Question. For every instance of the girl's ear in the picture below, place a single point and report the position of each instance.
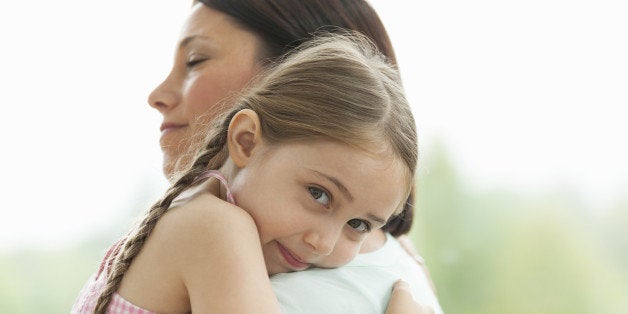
(243, 135)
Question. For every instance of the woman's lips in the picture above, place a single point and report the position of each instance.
(292, 259)
(168, 127)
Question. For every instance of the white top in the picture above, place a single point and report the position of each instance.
(362, 286)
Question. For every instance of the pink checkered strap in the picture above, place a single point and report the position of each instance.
(221, 177)
(88, 297)
(119, 305)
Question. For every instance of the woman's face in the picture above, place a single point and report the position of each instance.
(315, 203)
(214, 59)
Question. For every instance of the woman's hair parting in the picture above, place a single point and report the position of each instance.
(285, 24)
(335, 87)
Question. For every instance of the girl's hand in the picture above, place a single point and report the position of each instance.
(401, 301)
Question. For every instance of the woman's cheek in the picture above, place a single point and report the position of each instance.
(203, 97)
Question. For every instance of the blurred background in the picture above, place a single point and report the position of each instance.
(520, 105)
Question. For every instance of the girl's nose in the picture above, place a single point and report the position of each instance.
(323, 240)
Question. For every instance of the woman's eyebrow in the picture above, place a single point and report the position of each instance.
(187, 40)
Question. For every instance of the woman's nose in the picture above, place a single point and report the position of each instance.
(323, 240)
(165, 96)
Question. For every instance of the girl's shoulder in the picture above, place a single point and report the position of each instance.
(217, 253)
(208, 208)
(187, 254)
(206, 220)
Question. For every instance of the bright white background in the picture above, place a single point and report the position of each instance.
(527, 95)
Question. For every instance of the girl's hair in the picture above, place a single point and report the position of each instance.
(335, 87)
(283, 25)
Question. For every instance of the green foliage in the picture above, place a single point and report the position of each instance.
(45, 281)
(501, 252)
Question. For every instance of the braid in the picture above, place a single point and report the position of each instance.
(210, 157)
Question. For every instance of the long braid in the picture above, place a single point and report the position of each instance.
(209, 157)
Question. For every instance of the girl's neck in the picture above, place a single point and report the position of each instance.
(210, 185)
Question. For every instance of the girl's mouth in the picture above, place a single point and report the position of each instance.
(292, 259)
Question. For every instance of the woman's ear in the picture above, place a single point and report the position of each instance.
(243, 135)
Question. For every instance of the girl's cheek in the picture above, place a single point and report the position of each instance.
(341, 255)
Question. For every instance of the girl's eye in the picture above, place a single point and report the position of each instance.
(359, 225)
(319, 195)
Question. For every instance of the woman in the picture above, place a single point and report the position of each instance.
(223, 45)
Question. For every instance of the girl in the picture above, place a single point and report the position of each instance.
(223, 44)
(318, 153)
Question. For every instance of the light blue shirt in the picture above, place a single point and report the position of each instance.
(362, 286)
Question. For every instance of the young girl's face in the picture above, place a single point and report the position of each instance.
(311, 199)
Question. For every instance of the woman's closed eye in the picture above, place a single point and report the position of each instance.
(320, 195)
(194, 60)
(359, 225)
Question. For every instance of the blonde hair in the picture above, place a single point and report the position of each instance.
(334, 87)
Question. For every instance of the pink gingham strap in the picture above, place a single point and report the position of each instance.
(119, 305)
(221, 177)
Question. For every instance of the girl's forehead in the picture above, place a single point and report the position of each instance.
(359, 183)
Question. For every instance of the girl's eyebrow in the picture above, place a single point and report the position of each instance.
(337, 183)
(347, 194)
(376, 219)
